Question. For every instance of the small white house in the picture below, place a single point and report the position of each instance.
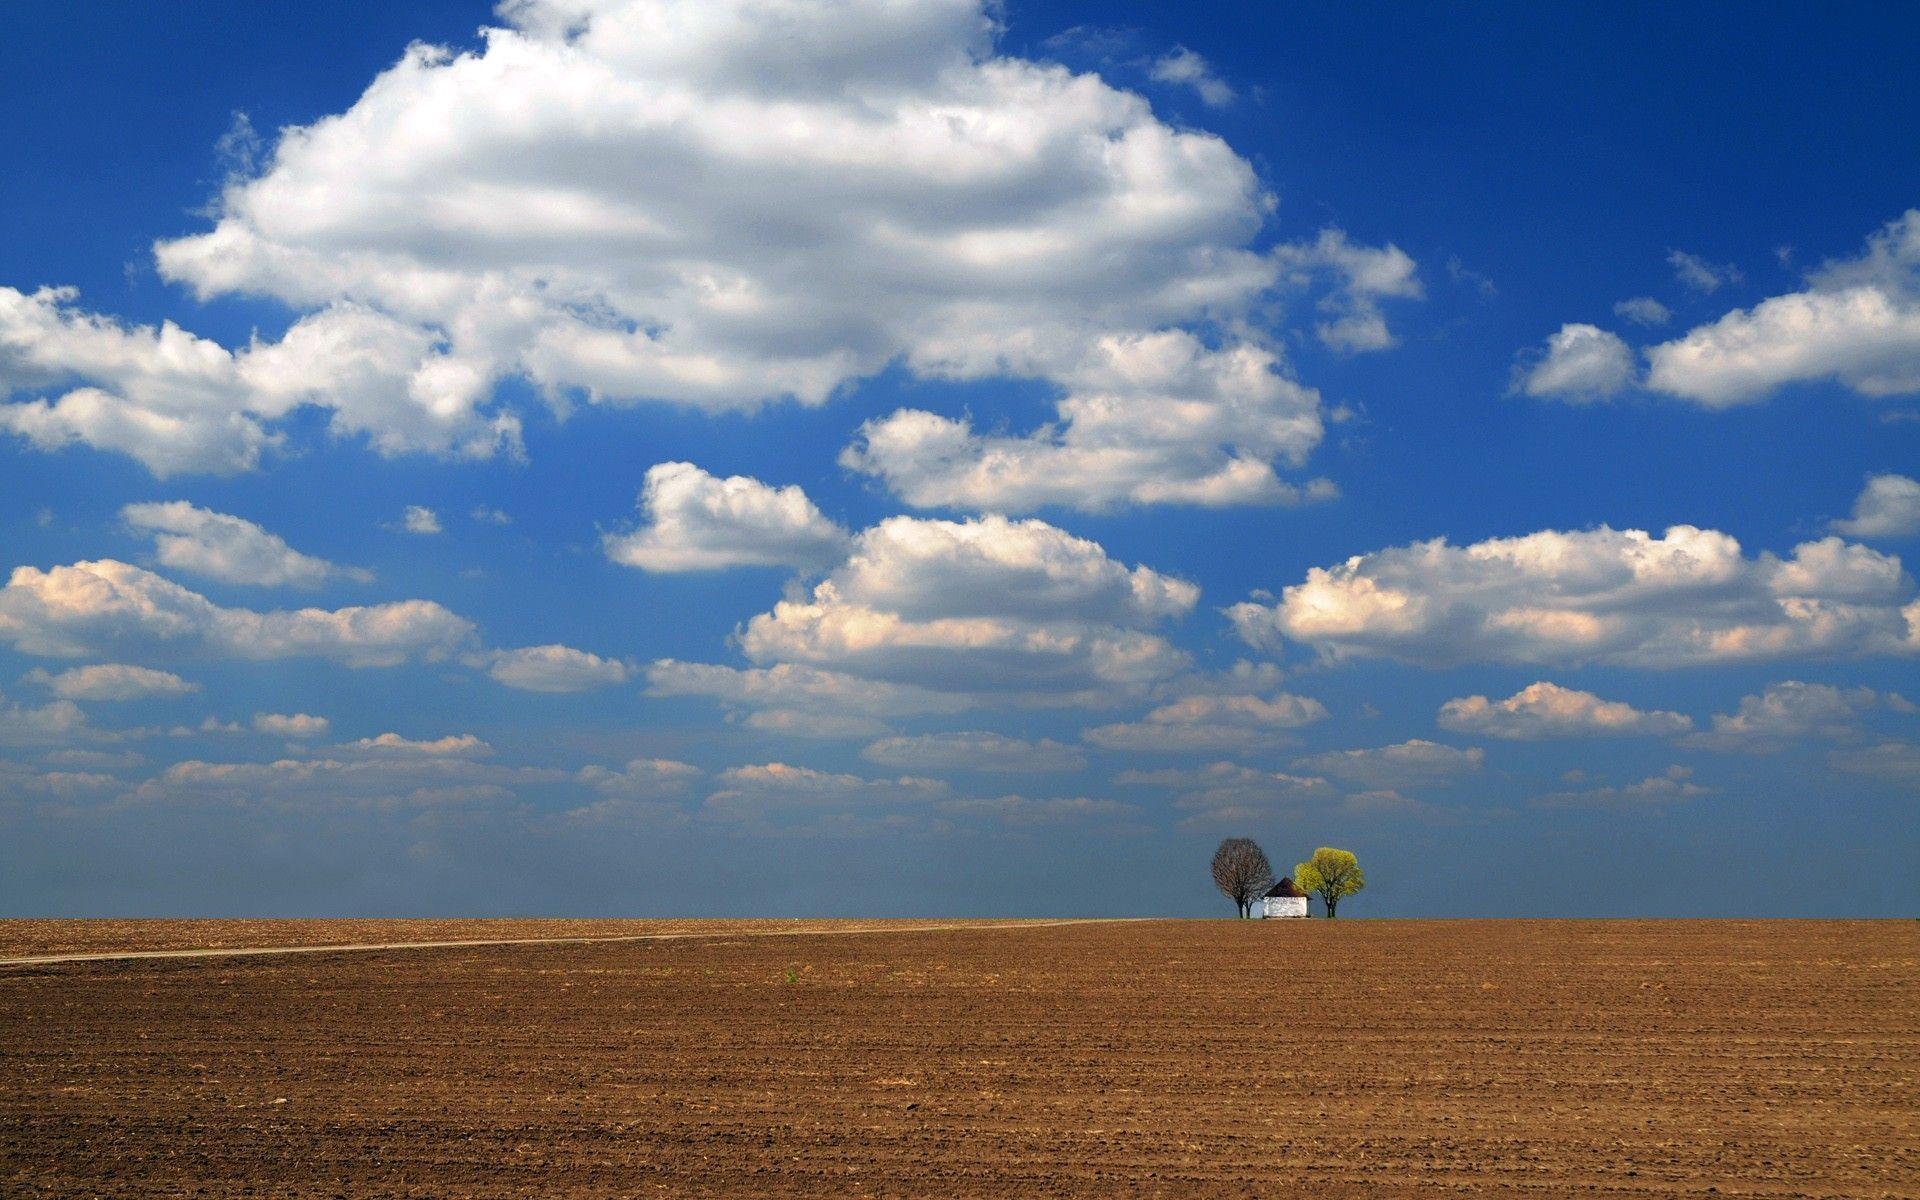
(1284, 899)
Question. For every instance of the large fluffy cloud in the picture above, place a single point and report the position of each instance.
(986, 605)
(697, 522)
(1544, 710)
(228, 548)
(1147, 418)
(181, 403)
(106, 607)
(1601, 595)
(726, 203)
(1857, 322)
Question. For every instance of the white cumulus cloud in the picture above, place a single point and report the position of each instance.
(1887, 507)
(1699, 274)
(112, 681)
(795, 699)
(641, 779)
(1363, 276)
(101, 608)
(1602, 595)
(1212, 724)
(228, 548)
(1412, 763)
(1643, 310)
(1191, 69)
(1792, 710)
(1546, 710)
(1581, 363)
(291, 725)
(717, 204)
(987, 605)
(453, 745)
(698, 522)
(55, 723)
(551, 668)
(1651, 794)
(1155, 418)
(1857, 322)
(180, 403)
(420, 519)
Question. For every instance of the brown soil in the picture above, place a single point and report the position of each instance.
(23, 938)
(1240, 1059)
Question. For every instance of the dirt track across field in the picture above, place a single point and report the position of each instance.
(759, 929)
(1242, 1059)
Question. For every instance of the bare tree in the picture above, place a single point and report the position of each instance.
(1241, 870)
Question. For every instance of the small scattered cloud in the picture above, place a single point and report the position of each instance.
(1643, 310)
(56, 723)
(1891, 761)
(420, 519)
(1410, 764)
(551, 668)
(228, 548)
(1020, 811)
(1466, 277)
(300, 726)
(462, 745)
(1187, 68)
(973, 751)
(112, 681)
(1212, 724)
(1581, 364)
(642, 779)
(1702, 276)
(699, 522)
(1652, 794)
(1362, 277)
(1547, 710)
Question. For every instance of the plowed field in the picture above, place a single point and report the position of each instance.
(1217, 1058)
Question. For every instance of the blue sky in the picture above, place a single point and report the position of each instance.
(942, 460)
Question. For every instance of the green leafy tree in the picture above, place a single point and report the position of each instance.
(1241, 871)
(1331, 875)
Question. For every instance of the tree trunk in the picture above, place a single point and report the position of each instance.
(1333, 906)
